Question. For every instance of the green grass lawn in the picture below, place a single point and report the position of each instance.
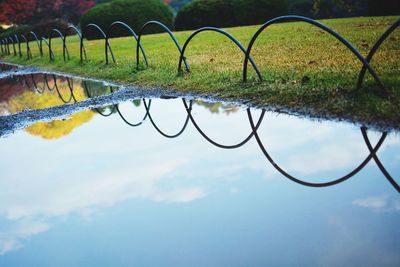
(303, 67)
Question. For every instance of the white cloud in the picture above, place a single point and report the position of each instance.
(372, 202)
(13, 238)
(383, 203)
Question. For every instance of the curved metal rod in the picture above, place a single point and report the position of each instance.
(19, 45)
(82, 50)
(127, 27)
(51, 53)
(36, 87)
(129, 123)
(47, 81)
(107, 46)
(59, 93)
(189, 111)
(322, 27)
(63, 43)
(309, 184)
(374, 49)
(147, 107)
(233, 39)
(7, 47)
(167, 30)
(26, 82)
(377, 161)
(1, 47)
(39, 44)
(70, 83)
(28, 49)
(20, 81)
(13, 44)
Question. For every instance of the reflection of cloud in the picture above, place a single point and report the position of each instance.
(9, 245)
(104, 190)
(49, 198)
(234, 190)
(372, 202)
(383, 203)
(306, 148)
(89, 170)
(11, 240)
(181, 195)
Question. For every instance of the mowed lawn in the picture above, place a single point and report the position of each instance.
(303, 67)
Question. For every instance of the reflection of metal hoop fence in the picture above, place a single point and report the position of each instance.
(254, 131)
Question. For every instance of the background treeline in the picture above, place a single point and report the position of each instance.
(41, 15)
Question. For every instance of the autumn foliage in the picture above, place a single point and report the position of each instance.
(36, 11)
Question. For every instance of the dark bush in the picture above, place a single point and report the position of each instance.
(228, 13)
(200, 13)
(44, 29)
(41, 29)
(383, 7)
(18, 30)
(302, 8)
(252, 12)
(135, 13)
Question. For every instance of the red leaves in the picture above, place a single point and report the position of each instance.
(35, 11)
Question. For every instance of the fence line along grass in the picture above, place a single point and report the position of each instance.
(303, 67)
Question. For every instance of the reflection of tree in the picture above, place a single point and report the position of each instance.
(94, 88)
(29, 99)
(59, 128)
(137, 102)
(54, 129)
(218, 107)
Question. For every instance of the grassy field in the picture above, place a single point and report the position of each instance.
(303, 67)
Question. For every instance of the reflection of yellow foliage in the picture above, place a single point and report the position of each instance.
(31, 100)
(54, 129)
(59, 128)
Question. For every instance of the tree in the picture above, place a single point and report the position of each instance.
(71, 10)
(16, 11)
(36, 11)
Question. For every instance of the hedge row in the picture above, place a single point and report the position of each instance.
(135, 13)
(42, 29)
(198, 13)
(228, 13)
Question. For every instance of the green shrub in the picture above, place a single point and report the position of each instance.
(41, 29)
(200, 13)
(302, 8)
(228, 13)
(135, 13)
(18, 30)
(383, 7)
(251, 12)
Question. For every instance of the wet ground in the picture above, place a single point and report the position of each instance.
(94, 174)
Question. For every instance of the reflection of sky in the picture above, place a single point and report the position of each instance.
(112, 195)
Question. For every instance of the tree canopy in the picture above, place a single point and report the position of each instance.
(36, 11)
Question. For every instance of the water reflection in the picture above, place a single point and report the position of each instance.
(117, 195)
(46, 84)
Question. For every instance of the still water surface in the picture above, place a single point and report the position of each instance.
(155, 182)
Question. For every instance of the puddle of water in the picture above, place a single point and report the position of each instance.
(135, 180)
